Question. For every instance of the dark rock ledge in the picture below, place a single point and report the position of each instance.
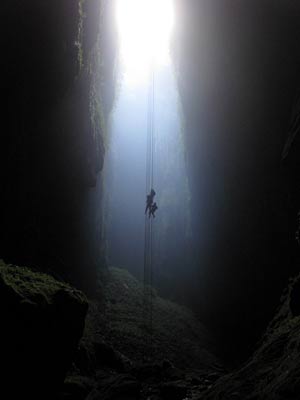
(42, 321)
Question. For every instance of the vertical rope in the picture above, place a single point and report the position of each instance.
(151, 292)
(152, 126)
(148, 236)
(151, 221)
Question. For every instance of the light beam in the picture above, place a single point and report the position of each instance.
(145, 28)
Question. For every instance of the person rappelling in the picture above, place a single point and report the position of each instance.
(152, 210)
(149, 201)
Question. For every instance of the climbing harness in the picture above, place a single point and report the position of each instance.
(148, 240)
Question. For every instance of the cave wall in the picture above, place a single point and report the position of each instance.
(238, 70)
(57, 73)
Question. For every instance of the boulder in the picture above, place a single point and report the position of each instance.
(77, 387)
(42, 321)
(94, 354)
(116, 387)
(106, 355)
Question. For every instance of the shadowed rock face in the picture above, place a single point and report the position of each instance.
(42, 321)
(238, 72)
(57, 87)
(273, 371)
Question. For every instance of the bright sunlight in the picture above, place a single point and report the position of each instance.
(145, 28)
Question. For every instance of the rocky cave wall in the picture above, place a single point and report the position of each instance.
(238, 71)
(57, 78)
(237, 66)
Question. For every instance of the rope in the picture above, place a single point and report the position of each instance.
(152, 129)
(148, 234)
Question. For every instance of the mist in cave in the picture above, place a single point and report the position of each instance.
(147, 89)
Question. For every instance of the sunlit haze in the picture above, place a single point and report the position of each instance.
(142, 104)
(145, 28)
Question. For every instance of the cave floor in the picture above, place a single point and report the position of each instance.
(119, 358)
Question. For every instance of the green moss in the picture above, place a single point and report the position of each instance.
(31, 285)
(79, 41)
(91, 59)
(97, 113)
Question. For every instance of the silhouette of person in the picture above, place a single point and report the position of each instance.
(152, 210)
(149, 201)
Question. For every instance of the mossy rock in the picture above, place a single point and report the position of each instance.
(42, 322)
(34, 287)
